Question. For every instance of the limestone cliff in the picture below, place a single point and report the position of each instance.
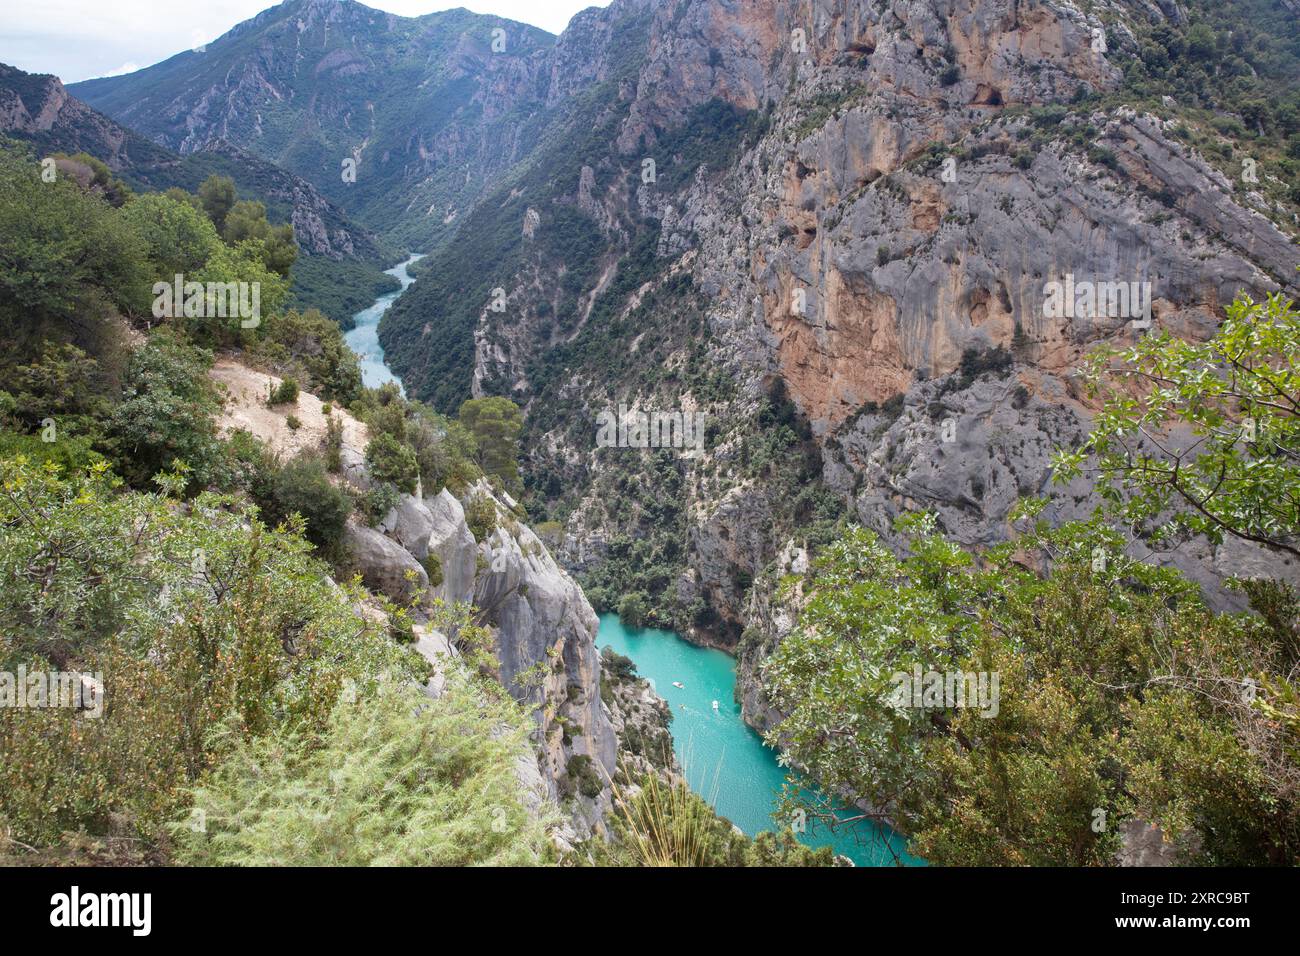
(832, 227)
(542, 627)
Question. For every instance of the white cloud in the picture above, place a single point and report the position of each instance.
(78, 39)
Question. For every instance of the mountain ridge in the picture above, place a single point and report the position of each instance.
(346, 62)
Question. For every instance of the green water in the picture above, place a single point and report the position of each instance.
(725, 761)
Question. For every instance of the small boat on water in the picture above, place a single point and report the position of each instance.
(679, 685)
(715, 705)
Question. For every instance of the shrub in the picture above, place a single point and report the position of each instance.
(665, 824)
(392, 462)
(248, 627)
(399, 780)
(377, 501)
(333, 443)
(583, 777)
(286, 393)
(433, 567)
(445, 451)
(481, 516)
(166, 414)
(632, 609)
(303, 487)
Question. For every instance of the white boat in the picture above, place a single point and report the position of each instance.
(715, 705)
(679, 685)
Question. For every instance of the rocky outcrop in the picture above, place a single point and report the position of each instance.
(453, 543)
(385, 566)
(542, 628)
(641, 720)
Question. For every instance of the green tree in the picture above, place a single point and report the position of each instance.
(217, 194)
(1202, 437)
(392, 462)
(313, 346)
(239, 264)
(179, 238)
(246, 220)
(632, 609)
(1120, 695)
(166, 414)
(63, 253)
(94, 176)
(665, 824)
(495, 424)
(445, 451)
(303, 487)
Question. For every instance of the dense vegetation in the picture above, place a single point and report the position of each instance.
(261, 712)
(1122, 696)
(184, 566)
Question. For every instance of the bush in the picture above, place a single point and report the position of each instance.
(303, 487)
(248, 628)
(665, 824)
(632, 609)
(481, 516)
(166, 414)
(286, 393)
(445, 451)
(310, 348)
(583, 777)
(392, 462)
(399, 780)
(433, 567)
(377, 501)
(333, 443)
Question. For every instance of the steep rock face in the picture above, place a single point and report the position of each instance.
(915, 180)
(451, 540)
(832, 227)
(38, 108)
(542, 626)
(385, 566)
(897, 283)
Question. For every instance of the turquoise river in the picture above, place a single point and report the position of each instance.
(725, 761)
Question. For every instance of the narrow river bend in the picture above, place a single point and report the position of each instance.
(364, 337)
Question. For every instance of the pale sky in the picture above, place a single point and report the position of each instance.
(78, 39)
